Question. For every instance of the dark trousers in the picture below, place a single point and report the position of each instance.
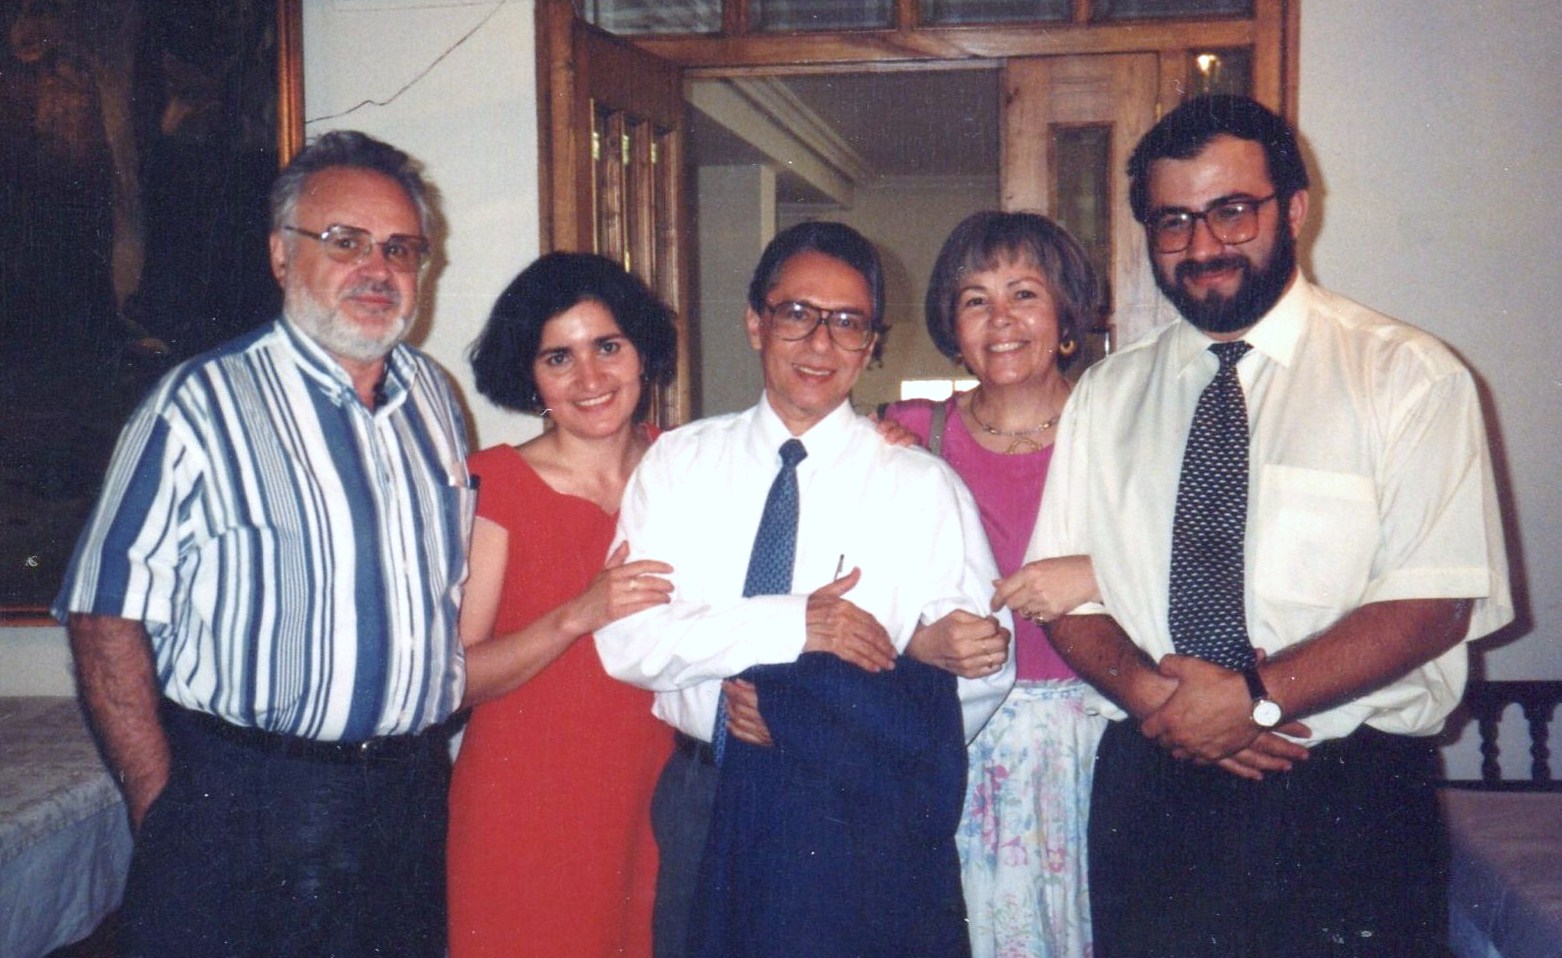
(263, 846)
(1345, 855)
(680, 819)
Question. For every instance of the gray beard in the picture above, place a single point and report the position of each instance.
(336, 335)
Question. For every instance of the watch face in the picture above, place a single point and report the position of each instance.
(1266, 713)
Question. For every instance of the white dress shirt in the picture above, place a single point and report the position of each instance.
(898, 513)
(1371, 480)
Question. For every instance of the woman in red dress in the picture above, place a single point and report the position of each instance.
(550, 848)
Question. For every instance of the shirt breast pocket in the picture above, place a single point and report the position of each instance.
(1317, 534)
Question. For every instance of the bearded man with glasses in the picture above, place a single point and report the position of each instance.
(810, 805)
(262, 608)
(1290, 506)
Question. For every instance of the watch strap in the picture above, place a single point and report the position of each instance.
(1255, 683)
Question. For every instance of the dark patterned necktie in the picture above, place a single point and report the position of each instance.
(775, 550)
(1207, 611)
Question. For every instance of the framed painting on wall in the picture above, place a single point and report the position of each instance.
(137, 143)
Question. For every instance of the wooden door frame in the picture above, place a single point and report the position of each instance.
(1271, 34)
(579, 70)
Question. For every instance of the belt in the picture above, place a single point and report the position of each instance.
(695, 749)
(387, 748)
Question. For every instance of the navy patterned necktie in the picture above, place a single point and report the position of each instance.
(1207, 610)
(775, 550)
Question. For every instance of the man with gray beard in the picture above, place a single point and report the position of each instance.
(262, 608)
(1289, 503)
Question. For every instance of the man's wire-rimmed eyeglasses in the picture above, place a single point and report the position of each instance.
(352, 245)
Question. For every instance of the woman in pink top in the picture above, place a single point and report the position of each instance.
(1007, 298)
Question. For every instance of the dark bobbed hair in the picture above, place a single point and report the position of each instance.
(1184, 132)
(504, 352)
(985, 240)
(353, 149)
(832, 239)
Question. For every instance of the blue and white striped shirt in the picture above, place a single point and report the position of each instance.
(297, 558)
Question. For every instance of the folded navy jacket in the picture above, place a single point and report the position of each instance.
(838, 840)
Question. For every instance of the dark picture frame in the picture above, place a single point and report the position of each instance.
(137, 142)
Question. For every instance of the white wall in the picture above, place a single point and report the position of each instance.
(35, 661)
(1434, 129)
(1432, 123)
(735, 219)
(458, 84)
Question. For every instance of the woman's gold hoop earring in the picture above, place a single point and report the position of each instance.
(1068, 347)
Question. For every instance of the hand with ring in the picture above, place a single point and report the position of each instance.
(620, 589)
(968, 645)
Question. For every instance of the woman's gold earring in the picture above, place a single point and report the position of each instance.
(1068, 347)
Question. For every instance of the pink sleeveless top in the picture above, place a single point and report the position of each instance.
(1007, 490)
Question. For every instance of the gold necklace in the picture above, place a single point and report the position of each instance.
(1011, 433)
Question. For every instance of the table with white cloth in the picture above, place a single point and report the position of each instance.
(64, 836)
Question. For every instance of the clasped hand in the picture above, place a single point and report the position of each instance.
(1207, 718)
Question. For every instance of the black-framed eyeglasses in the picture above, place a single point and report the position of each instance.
(1232, 222)
(794, 319)
(352, 245)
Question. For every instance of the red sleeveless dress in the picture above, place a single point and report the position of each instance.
(551, 851)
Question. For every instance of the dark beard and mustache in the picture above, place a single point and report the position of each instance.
(1260, 289)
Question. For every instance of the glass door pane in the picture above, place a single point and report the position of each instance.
(946, 12)
(1220, 71)
(1082, 204)
(777, 15)
(1164, 9)
(640, 17)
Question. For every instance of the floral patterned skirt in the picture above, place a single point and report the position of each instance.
(1022, 835)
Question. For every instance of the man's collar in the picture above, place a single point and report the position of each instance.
(822, 440)
(1275, 335)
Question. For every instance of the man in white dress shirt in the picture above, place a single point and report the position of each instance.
(1282, 803)
(888, 540)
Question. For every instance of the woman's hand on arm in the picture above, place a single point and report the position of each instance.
(892, 432)
(1047, 588)
(621, 589)
(968, 645)
(499, 664)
